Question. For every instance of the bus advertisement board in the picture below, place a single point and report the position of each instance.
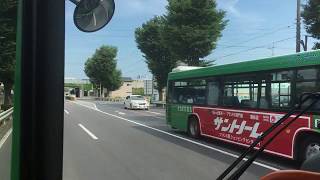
(243, 127)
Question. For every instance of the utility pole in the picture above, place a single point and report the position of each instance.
(146, 87)
(298, 35)
(305, 43)
(272, 48)
(152, 87)
(100, 92)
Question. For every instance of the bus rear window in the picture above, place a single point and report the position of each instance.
(189, 92)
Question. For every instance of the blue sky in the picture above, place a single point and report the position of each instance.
(253, 30)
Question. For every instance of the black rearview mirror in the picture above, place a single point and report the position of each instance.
(92, 15)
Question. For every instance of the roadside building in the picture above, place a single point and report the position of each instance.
(129, 87)
(78, 87)
(124, 90)
(150, 90)
(138, 84)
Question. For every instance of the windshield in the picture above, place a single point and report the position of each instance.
(166, 89)
(137, 98)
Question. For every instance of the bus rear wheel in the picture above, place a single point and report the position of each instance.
(193, 127)
(310, 147)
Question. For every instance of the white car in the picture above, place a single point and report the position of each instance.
(136, 102)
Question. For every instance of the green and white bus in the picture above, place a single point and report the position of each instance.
(235, 103)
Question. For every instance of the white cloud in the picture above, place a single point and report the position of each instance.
(229, 5)
(240, 20)
(232, 10)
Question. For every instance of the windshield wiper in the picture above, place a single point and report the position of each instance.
(236, 175)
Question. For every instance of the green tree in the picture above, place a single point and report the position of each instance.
(157, 55)
(101, 68)
(8, 27)
(192, 29)
(311, 19)
(138, 91)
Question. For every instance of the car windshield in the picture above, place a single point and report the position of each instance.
(137, 98)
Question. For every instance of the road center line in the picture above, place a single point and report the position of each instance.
(88, 132)
(142, 113)
(154, 113)
(121, 113)
(182, 138)
(67, 112)
(5, 137)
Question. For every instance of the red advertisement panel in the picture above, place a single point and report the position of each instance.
(243, 127)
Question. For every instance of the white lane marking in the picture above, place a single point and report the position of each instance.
(88, 132)
(84, 103)
(67, 112)
(185, 139)
(141, 112)
(154, 112)
(5, 137)
(95, 106)
(151, 116)
(158, 117)
(121, 113)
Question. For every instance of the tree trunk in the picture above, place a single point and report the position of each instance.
(102, 92)
(7, 96)
(160, 94)
(107, 93)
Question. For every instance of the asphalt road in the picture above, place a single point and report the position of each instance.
(5, 156)
(104, 141)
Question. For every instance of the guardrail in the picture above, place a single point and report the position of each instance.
(109, 99)
(5, 115)
(159, 103)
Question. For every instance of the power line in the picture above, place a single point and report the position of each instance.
(253, 48)
(260, 36)
(126, 36)
(131, 69)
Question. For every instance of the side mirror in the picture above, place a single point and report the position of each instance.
(93, 15)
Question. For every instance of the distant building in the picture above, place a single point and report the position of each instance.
(149, 89)
(129, 84)
(124, 90)
(138, 84)
(71, 80)
(78, 87)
